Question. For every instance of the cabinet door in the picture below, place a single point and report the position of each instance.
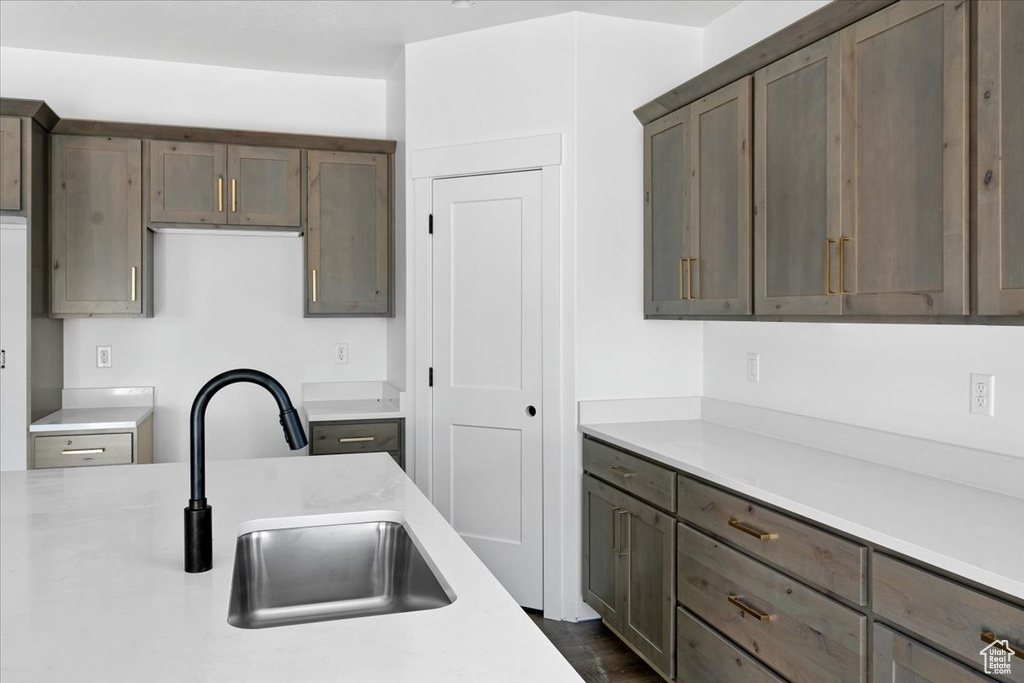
(719, 250)
(603, 529)
(649, 589)
(96, 226)
(667, 184)
(1000, 180)
(348, 242)
(10, 163)
(187, 182)
(904, 125)
(264, 186)
(899, 659)
(797, 182)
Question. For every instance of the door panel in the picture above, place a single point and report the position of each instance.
(601, 538)
(899, 659)
(905, 227)
(487, 371)
(797, 182)
(187, 182)
(1000, 181)
(10, 163)
(14, 316)
(265, 186)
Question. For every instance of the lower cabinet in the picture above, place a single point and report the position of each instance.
(703, 655)
(899, 658)
(629, 570)
(359, 436)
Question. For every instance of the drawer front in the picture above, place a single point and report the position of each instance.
(945, 612)
(804, 635)
(899, 659)
(82, 450)
(354, 437)
(831, 563)
(703, 656)
(647, 481)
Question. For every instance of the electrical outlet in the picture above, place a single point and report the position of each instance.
(104, 357)
(341, 354)
(753, 367)
(983, 394)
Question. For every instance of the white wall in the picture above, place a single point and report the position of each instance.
(397, 347)
(221, 301)
(749, 22)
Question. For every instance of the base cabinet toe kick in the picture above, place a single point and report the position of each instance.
(708, 585)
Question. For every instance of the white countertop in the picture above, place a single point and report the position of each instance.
(965, 530)
(81, 419)
(350, 409)
(93, 587)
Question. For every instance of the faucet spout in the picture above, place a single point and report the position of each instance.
(198, 514)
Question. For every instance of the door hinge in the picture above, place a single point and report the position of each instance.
(430, 377)
(430, 224)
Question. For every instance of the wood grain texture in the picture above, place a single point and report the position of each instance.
(187, 182)
(904, 205)
(946, 613)
(349, 237)
(267, 185)
(833, 564)
(809, 639)
(223, 136)
(799, 34)
(96, 226)
(703, 656)
(899, 659)
(649, 482)
(324, 437)
(36, 110)
(1000, 167)
(720, 206)
(601, 569)
(10, 164)
(797, 182)
(49, 451)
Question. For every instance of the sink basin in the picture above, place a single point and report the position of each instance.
(321, 573)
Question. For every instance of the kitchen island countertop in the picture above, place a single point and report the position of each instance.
(93, 587)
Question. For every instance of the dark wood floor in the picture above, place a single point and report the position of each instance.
(595, 652)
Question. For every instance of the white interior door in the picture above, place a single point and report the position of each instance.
(14, 344)
(487, 464)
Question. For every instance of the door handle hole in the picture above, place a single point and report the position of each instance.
(531, 411)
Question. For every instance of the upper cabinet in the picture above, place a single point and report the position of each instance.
(697, 207)
(96, 245)
(216, 184)
(349, 249)
(10, 163)
(904, 240)
(1000, 169)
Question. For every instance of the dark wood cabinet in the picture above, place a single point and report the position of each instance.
(225, 185)
(601, 530)
(1000, 170)
(899, 659)
(797, 182)
(904, 240)
(10, 163)
(349, 250)
(338, 437)
(97, 235)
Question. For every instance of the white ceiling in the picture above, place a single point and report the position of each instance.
(356, 38)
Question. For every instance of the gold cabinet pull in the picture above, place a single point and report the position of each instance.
(354, 439)
(760, 535)
(681, 294)
(234, 197)
(828, 265)
(134, 285)
(83, 451)
(314, 285)
(623, 472)
(760, 616)
(842, 264)
(615, 527)
(689, 279)
(220, 193)
(990, 638)
(623, 539)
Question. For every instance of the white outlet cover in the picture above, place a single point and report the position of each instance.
(341, 354)
(753, 367)
(983, 394)
(104, 357)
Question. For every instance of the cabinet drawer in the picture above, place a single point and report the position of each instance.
(805, 636)
(78, 450)
(702, 655)
(899, 658)
(828, 561)
(945, 612)
(354, 437)
(646, 480)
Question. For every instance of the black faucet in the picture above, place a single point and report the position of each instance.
(199, 515)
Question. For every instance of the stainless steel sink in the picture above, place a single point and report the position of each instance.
(320, 573)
